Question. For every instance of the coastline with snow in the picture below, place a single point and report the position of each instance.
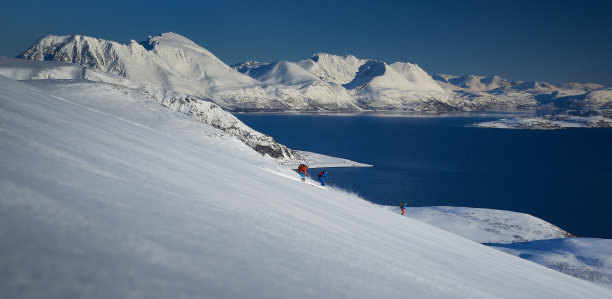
(601, 119)
(524, 236)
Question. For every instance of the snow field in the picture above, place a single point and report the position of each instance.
(107, 197)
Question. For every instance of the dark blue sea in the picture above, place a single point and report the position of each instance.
(561, 176)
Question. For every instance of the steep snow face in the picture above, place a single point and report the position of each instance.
(419, 79)
(332, 68)
(283, 73)
(399, 76)
(100, 196)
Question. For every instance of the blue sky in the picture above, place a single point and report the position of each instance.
(552, 41)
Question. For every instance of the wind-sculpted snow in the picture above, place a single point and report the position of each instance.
(113, 198)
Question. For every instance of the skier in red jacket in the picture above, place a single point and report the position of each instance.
(302, 171)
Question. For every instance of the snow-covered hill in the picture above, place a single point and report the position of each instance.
(524, 236)
(106, 195)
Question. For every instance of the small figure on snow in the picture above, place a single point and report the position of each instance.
(403, 206)
(323, 177)
(302, 171)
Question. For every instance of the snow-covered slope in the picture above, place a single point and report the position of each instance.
(524, 236)
(110, 197)
(199, 109)
(283, 73)
(332, 68)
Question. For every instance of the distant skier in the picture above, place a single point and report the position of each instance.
(302, 171)
(403, 206)
(323, 177)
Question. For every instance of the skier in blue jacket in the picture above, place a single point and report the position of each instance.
(323, 177)
(403, 206)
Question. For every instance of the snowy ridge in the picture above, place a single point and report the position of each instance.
(332, 68)
(133, 210)
(199, 109)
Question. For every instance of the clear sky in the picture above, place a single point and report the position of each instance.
(551, 41)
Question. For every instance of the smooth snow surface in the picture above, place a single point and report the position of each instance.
(116, 198)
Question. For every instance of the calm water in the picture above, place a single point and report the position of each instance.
(561, 176)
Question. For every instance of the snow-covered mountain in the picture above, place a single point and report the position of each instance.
(500, 92)
(481, 83)
(332, 68)
(474, 83)
(173, 62)
(106, 195)
(169, 61)
(371, 84)
(323, 82)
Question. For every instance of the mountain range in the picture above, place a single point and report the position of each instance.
(324, 82)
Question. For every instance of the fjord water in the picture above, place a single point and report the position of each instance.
(561, 176)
